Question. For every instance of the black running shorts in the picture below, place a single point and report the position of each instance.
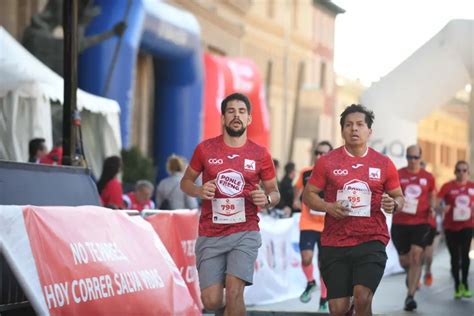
(431, 236)
(308, 238)
(343, 268)
(403, 236)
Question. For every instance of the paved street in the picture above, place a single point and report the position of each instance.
(435, 300)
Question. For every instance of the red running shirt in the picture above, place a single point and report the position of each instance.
(416, 188)
(372, 173)
(460, 196)
(237, 171)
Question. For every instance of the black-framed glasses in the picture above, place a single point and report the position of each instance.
(461, 170)
(409, 157)
(319, 153)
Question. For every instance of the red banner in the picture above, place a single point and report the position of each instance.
(179, 230)
(95, 261)
(224, 76)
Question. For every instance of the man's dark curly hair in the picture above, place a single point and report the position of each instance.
(357, 108)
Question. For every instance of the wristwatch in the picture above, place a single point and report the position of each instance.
(269, 199)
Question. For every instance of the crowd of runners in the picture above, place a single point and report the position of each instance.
(344, 200)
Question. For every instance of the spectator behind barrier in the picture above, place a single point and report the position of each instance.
(286, 190)
(140, 198)
(36, 150)
(168, 194)
(55, 156)
(109, 187)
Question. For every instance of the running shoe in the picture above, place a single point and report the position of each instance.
(310, 288)
(323, 305)
(466, 293)
(458, 293)
(410, 303)
(428, 279)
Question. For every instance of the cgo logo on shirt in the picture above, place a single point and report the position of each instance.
(340, 172)
(214, 161)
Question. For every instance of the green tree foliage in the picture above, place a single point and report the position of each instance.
(136, 166)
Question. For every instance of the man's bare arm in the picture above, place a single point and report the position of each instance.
(188, 186)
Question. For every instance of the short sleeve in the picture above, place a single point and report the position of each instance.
(392, 180)
(196, 162)
(267, 171)
(318, 176)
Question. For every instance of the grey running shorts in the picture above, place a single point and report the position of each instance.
(233, 254)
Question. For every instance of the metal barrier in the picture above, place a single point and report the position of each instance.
(12, 299)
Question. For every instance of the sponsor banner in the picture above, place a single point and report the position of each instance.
(180, 243)
(278, 275)
(95, 261)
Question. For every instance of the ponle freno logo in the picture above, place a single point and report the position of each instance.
(462, 201)
(230, 182)
(413, 191)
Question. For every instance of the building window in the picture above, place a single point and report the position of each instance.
(429, 151)
(322, 75)
(445, 156)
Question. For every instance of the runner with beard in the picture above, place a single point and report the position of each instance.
(359, 184)
(233, 168)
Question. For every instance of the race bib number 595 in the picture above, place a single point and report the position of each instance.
(359, 201)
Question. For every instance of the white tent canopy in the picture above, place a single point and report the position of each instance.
(27, 87)
(426, 80)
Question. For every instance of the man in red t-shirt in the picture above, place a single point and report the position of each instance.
(410, 227)
(232, 168)
(458, 223)
(140, 198)
(358, 183)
